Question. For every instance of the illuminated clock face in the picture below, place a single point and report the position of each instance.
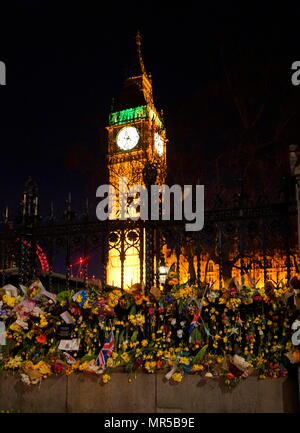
(159, 144)
(128, 138)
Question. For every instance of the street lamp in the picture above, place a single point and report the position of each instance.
(163, 271)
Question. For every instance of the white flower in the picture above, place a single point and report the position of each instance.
(173, 321)
(93, 368)
(296, 325)
(25, 379)
(22, 323)
(179, 333)
(208, 374)
(182, 323)
(212, 296)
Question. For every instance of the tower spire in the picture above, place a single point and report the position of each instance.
(138, 40)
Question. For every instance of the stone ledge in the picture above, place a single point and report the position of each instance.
(148, 393)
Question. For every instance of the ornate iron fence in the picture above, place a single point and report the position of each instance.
(241, 238)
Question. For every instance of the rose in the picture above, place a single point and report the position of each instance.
(57, 368)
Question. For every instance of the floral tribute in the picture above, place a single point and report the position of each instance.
(227, 333)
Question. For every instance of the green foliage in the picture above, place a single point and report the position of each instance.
(200, 354)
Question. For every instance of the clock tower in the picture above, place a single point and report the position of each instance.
(136, 140)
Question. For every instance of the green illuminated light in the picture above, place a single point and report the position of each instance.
(128, 115)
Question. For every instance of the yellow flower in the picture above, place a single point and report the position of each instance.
(112, 300)
(110, 362)
(14, 362)
(184, 360)
(136, 319)
(144, 343)
(43, 368)
(29, 334)
(197, 367)
(15, 327)
(106, 378)
(87, 304)
(9, 300)
(83, 366)
(150, 366)
(177, 377)
(125, 357)
(43, 322)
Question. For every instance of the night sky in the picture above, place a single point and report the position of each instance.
(67, 60)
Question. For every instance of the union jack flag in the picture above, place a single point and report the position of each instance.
(106, 351)
(194, 323)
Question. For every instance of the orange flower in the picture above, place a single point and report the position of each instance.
(159, 363)
(41, 339)
(230, 376)
(138, 298)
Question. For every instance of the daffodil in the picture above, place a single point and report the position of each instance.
(177, 377)
(106, 378)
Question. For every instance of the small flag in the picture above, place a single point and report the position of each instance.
(106, 351)
(194, 322)
(69, 358)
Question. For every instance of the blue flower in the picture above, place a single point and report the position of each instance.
(169, 299)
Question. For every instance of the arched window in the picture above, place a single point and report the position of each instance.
(210, 267)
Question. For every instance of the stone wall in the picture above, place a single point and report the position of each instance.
(147, 393)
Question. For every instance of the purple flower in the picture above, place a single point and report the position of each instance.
(137, 363)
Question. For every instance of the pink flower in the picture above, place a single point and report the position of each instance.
(25, 308)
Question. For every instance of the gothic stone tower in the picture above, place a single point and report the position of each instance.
(136, 139)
